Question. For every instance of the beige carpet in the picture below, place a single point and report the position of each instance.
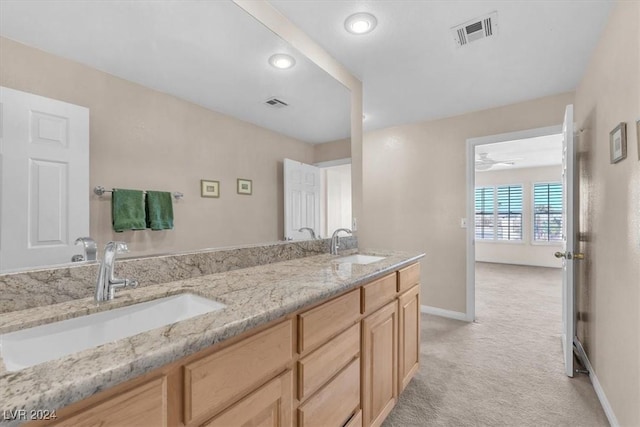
(504, 370)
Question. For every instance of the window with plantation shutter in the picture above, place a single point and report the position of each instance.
(484, 220)
(498, 213)
(547, 212)
(509, 220)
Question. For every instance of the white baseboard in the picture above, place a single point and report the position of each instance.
(443, 313)
(608, 410)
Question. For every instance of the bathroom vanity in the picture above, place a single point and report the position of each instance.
(309, 342)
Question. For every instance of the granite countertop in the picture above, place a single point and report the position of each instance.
(253, 296)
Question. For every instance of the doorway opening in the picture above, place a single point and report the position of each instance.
(503, 173)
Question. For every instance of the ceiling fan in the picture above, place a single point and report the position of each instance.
(484, 162)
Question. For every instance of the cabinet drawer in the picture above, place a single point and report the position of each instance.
(318, 367)
(215, 381)
(142, 405)
(378, 293)
(270, 405)
(333, 405)
(408, 277)
(319, 324)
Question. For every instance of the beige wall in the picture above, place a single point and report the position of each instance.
(145, 139)
(334, 150)
(524, 252)
(608, 292)
(415, 189)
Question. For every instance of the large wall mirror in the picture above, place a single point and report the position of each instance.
(176, 92)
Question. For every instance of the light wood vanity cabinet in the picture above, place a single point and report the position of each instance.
(408, 324)
(408, 336)
(213, 382)
(145, 404)
(269, 406)
(379, 364)
(340, 363)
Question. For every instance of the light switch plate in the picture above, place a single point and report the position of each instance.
(463, 222)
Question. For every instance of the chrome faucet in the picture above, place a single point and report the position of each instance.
(90, 249)
(310, 230)
(106, 284)
(335, 240)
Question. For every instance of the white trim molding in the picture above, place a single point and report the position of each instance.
(606, 406)
(427, 309)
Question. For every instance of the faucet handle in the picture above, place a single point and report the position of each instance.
(118, 247)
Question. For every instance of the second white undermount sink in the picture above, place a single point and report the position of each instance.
(359, 259)
(29, 347)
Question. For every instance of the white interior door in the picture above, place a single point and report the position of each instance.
(568, 241)
(44, 203)
(338, 198)
(301, 199)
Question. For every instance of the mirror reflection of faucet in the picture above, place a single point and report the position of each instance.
(90, 250)
(335, 240)
(106, 283)
(310, 230)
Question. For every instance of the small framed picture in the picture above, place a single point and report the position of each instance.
(209, 188)
(618, 143)
(245, 186)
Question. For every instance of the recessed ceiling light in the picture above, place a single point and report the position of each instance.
(360, 23)
(282, 61)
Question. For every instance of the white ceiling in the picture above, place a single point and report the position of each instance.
(524, 153)
(211, 53)
(412, 70)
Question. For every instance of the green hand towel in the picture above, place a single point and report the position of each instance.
(127, 210)
(159, 210)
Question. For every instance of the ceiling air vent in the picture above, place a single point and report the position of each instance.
(275, 103)
(476, 29)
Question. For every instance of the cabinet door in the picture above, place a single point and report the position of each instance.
(409, 336)
(269, 406)
(379, 364)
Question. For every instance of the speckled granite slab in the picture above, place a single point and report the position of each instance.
(23, 290)
(253, 297)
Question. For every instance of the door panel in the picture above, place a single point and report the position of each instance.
(44, 202)
(301, 199)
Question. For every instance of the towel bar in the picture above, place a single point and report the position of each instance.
(100, 190)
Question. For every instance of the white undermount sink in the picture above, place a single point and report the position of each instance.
(359, 259)
(29, 347)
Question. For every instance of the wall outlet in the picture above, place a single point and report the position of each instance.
(463, 222)
(354, 224)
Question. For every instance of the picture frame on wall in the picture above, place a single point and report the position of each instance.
(618, 143)
(245, 186)
(209, 188)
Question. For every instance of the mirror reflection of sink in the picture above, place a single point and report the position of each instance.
(359, 259)
(29, 347)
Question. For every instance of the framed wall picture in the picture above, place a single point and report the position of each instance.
(209, 188)
(618, 143)
(245, 186)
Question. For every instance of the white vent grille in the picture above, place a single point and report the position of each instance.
(476, 29)
(274, 102)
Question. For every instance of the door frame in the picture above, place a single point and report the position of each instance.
(472, 143)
